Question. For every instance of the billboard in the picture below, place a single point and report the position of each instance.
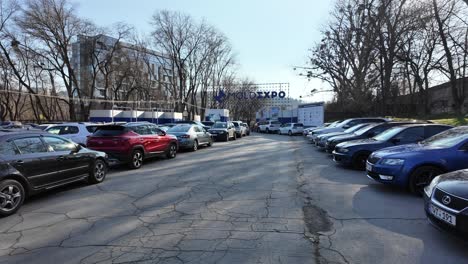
(311, 114)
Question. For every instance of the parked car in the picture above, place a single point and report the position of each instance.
(446, 202)
(223, 131)
(133, 142)
(11, 124)
(269, 126)
(240, 130)
(348, 123)
(247, 128)
(291, 129)
(308, 131)
(321, 140)
(34, 161)
(77, 132)
(198, 123)
(191, 136)
(208, 124)
(363, 133)
(355, 153)
(415, 165)
(164, 128)
(168, 125)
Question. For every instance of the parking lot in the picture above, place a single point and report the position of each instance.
(259, 199)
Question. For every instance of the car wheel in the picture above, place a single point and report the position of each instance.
(12, 196)
(195, 145)
(421, 177)
(289, 133)
(359, 162)
(171, 151)
(137, 159)
(98, 173)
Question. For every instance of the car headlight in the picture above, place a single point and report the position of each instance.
(428, 189)
(393, 162)
(342, 150)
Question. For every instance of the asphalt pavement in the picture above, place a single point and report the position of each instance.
(259, 199)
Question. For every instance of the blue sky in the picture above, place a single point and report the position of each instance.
(268, 37)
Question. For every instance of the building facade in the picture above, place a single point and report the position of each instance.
(113, 71)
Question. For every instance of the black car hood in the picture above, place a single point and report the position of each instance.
(218, 129)
(455, 183)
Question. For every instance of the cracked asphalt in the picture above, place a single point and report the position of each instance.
(260, 199)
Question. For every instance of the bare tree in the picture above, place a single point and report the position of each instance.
(54, 25)
(454, 40)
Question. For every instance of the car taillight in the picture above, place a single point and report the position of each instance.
(185, 136)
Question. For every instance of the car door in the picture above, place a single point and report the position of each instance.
(157, 141)
(34, 161)
(72, 162)
(205, 135)
(146, 138)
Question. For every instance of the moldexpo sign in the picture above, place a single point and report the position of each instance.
(222, 96)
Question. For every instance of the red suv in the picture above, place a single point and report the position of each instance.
(133, 142)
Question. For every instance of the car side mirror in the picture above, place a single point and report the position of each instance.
(162, 133)
(346, 126)
(77, 149)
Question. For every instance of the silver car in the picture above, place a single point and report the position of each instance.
(240, 130)
(191, 136)
(247, 129)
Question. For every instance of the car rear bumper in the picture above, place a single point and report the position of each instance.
(220, 136)
(185, 143)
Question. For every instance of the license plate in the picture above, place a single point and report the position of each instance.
(443, 215)
(369, 167)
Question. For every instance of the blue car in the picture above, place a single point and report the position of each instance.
(355, 153)
(415, 165)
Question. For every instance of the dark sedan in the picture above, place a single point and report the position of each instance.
(34, 161)
(321, 140)
(356, 152)
(223, 131)
(363, 133)
(191, 136)
(446, 202)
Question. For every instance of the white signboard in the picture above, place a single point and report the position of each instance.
(311, 114)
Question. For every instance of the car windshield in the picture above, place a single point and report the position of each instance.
(354, 128)
(364, 129)
(236, 124)
(220, 125)
(179, 129)
(388, 134)
(447, 139)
